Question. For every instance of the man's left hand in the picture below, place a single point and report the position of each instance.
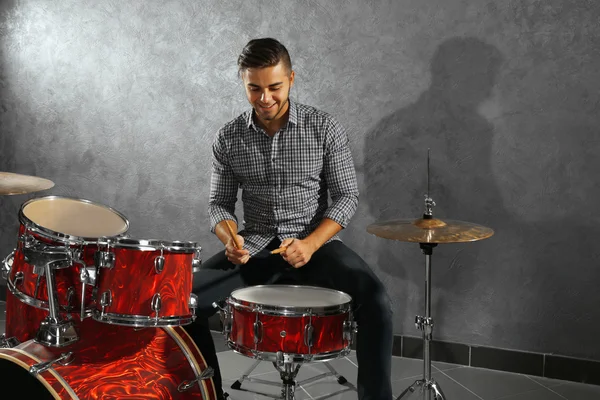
(298, 252)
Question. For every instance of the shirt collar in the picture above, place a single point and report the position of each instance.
(292, 117)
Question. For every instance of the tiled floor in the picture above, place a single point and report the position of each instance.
(457, 382)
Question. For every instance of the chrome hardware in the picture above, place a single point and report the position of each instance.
(84, 277)
(37, 285)
(18, 278)
(193, 303)
(105, 300)
(54, 330)
(156, 304)
(8, 342)
(225, 314)
(27, 240)
(424, 324)
(308, 334)
(104, 259)
(283, 333)
(70, 295)
(208, 373)
(7, 265)
(258, 330)
(429, 204)
(64, 359)
(349, 329)
(159, 263)
(38, 270)
(196, 261)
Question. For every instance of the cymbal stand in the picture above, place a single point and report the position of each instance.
(425, 324)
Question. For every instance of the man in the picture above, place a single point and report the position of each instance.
(287, 157)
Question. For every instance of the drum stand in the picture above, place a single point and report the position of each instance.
(54, 331)
(425, 324)
(288, 372)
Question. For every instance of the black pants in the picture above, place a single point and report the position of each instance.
(333, 266)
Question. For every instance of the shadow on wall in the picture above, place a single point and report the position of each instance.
(444, 119)
(518, 289)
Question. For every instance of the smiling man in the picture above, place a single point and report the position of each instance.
(288, 158)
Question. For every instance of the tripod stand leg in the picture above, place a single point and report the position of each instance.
(238, 384)
(411, 388)
(439, 394)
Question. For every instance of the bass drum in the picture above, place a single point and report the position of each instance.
(110, 362)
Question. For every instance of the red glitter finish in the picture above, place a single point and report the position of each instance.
(328, 334)
(133, 281)
(115, 362)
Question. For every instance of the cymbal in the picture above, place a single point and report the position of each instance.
(11, 183)
(430, 231)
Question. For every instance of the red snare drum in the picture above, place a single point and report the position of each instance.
(61, 224)
(146, 283)
(111, 362)
(304, 323)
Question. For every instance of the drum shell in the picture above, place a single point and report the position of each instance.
(261, 330)
(113, 362)
(287, 333)
(134, 280)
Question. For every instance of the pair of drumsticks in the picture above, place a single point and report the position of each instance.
(239, 246)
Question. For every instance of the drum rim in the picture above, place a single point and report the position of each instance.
(299, 358)
(29, 224)
(153, 244)
(280, 310)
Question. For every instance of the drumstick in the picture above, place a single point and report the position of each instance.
(233, 236)
(282, 248)
(279, 250)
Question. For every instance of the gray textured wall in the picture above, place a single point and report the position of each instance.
(118, 102)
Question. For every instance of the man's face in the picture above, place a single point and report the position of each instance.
(268, 90)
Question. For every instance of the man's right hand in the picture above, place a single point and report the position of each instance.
(236, 256)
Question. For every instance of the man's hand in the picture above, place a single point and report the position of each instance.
(298, 252)
(236, 256)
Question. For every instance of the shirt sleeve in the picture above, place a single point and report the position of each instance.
(223, 185)
(340, 175)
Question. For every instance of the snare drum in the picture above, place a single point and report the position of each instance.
(110, 362)
(146, 283)
(59, 224)
(301, 323)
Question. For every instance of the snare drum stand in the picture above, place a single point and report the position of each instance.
(425, 324)
(288, 372)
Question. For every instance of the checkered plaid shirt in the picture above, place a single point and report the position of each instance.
(284, 179)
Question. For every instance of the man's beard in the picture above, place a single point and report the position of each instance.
(280, 108)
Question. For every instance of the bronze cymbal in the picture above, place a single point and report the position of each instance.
(430, 231)
(11, 183)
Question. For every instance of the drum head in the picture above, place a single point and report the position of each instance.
(72, 219)
(288, 296)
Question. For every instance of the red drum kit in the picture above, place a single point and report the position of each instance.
(92, 313)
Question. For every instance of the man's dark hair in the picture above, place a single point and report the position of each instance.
(262, 53)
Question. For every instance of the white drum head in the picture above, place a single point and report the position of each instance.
(291, 296)
(74, 217)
